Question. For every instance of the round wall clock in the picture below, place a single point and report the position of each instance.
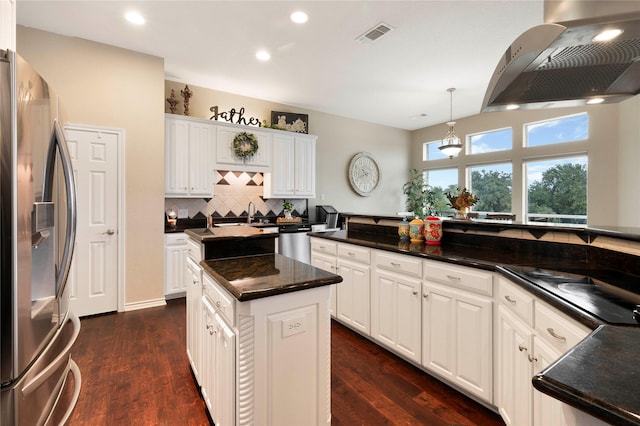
(364, 173)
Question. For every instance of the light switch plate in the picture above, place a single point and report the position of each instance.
(183, 213)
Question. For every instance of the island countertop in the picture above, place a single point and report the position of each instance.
(254, 277)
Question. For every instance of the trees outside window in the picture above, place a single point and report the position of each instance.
(493, 185)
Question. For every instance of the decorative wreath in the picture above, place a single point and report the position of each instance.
(245, 145)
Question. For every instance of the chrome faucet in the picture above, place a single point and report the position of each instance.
(249, 214)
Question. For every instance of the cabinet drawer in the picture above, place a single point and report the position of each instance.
(324, 246)
(194, 251)
(176, 239)
(354, 253)
(404, 264)
(480, 282)
(221, 300)
(555, 328)
(517, 300)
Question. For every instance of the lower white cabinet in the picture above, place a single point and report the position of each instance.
(193, 278)
(396, 307)
(175, 254)
(530, 336)
(457, 338)
(323, 256)
(353, 293)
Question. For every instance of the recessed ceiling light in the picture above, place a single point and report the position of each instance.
(263, 55)
(134, 17)
(607, 35)
(299, 17)
(595, 101)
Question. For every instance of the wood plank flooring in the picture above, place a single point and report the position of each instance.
(135, 372)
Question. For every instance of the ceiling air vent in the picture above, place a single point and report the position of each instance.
(375, 33)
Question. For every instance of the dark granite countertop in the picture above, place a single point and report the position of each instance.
(599, 375)
(254, 277)
(204, 235)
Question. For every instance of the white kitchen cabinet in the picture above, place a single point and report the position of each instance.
(193, 278)
(353, 293)
(175, 254)
(531, 335)
(323, 256)
(225, 155)
(218, 368)
(395, 304)
(293, 173)
(457, 336)
(189, 157)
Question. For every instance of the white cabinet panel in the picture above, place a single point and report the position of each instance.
(293, 174)
(225, 155)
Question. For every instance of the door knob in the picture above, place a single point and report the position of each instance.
(109, 232)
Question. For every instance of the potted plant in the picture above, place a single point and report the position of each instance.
(421, 199)
(288, 208)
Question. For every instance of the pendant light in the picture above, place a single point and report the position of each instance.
(451, 144)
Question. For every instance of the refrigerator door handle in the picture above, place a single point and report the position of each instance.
(62, 357)
(70, 186)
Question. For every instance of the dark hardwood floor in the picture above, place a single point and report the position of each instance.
(135, 372)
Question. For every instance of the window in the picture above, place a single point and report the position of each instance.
(495, 140)
(441, 180)
(430, 151)
(492, 183)
(557, 190)
(563, 129)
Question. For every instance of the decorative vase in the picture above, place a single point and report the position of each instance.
(462, 213)
(432, 230)
(403, 229)
(287, 214)
(416, 229)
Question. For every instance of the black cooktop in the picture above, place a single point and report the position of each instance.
(612, 304)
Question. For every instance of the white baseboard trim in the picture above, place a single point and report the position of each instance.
(154, 303)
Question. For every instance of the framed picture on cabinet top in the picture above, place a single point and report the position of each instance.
(290, 121)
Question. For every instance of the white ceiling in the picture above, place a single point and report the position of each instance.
(318, 65)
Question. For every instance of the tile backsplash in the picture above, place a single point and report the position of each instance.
(233, 192)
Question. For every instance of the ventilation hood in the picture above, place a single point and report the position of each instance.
(559, 64)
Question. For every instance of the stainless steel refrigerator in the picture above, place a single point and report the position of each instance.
(40, 383)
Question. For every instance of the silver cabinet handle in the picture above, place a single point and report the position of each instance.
(510, 300)
(453, 278)
(394, 264)
(522, 348)
(109, 232)
(556, 335)
(415, 293)
(426, 295)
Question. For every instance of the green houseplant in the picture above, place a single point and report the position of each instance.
(421, 199)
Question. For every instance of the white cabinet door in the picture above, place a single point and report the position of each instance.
(305, 166)
(209, 341)
(225, 156)
(293, 174)
(396, 313)
(176, 142)
(193, 279)
(353, 295)
(457, 338)
(225, 373)
(515, 345)
(175, 255)
(327, 263)
(546, 409)
(189, 158)
(202, 142)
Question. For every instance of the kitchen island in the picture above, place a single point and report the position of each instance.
(258, 331)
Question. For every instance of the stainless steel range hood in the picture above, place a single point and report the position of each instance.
(558, 64)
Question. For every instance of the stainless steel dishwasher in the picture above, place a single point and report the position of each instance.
(293, 240)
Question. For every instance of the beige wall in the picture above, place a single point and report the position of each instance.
(339, 139)
(628, 172)
(106, 86)
(602, 149)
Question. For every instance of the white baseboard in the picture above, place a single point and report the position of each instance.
(154, 303)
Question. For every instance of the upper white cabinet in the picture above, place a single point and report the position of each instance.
(225, 155)
(189, 157)
(293, 172)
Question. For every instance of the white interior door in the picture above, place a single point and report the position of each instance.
(94, 269)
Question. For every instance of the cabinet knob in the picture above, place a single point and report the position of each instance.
(522, 348)
(415, 293)
(426, 295)
(395, 265)
(453, 278)
(510, 300)
(532, 358)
